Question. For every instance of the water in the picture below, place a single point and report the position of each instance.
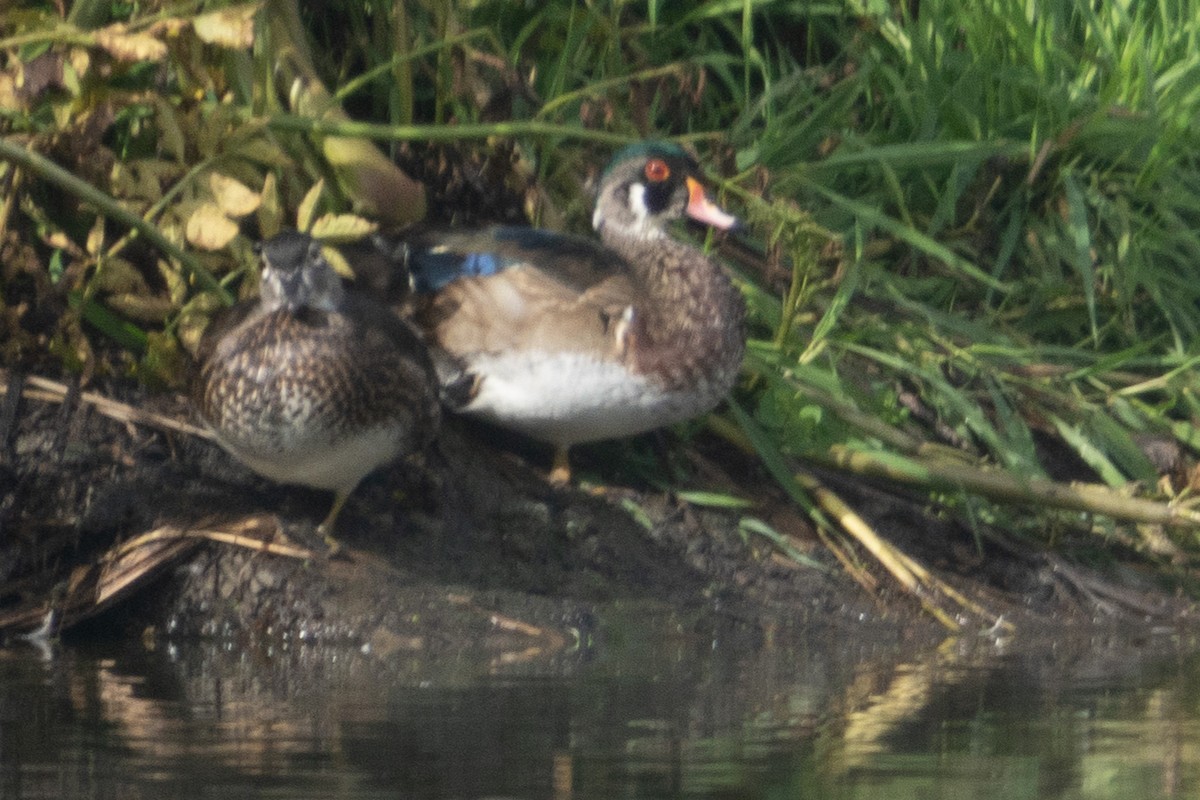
(673, 717)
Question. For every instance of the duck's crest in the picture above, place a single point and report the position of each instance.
(642, 149)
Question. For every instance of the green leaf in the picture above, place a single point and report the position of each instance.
(1081, 237)
(713, 499)
(123, 332)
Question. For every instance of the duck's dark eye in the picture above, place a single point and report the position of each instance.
(657, 170)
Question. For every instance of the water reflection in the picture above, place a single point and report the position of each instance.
(671, 716)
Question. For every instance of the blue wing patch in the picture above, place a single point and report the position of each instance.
(441, 259)
(435, 266)
(433, 269)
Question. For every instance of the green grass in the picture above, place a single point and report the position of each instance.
(980, 223)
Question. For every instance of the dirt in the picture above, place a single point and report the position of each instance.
(470, 549)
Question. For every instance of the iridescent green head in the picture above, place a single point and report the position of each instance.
(645, 150)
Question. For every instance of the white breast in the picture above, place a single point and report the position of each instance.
(324, 461)
(566, 398)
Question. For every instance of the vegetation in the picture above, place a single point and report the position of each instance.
(976, 226)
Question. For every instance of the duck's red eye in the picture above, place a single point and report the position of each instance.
(657, 170)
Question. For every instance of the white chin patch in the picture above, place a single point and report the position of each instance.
(644, 225)
(637, 202)
(638, 224)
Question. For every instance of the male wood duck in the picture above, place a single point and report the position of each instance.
(569, 340)
(311, 383)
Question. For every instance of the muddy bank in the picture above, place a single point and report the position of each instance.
(468, 549)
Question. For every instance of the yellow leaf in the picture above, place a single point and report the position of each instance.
(265, 152)
(125, 46)
(164, 362)
(209, 229)
(342, 228)
(170, 27)
(171, 137)
(141, 307)
(234, 197)
(8, 93)
(308, 206)
(229, 27)
(338, 261)
(118, 276)
(193, 319)
(60, 241)
(95, 239)
(177, 285)
(270, 213)
(79, 62)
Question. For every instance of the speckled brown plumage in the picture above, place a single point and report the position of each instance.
(310, 383)
(318, 373)
(688, 330)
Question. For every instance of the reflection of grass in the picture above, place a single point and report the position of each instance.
(979, 226)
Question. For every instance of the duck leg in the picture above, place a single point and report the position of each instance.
(327, 525)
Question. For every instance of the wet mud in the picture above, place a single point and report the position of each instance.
(123, 528)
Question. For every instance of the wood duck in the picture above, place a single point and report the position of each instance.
(570, 340)
(311, 383)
